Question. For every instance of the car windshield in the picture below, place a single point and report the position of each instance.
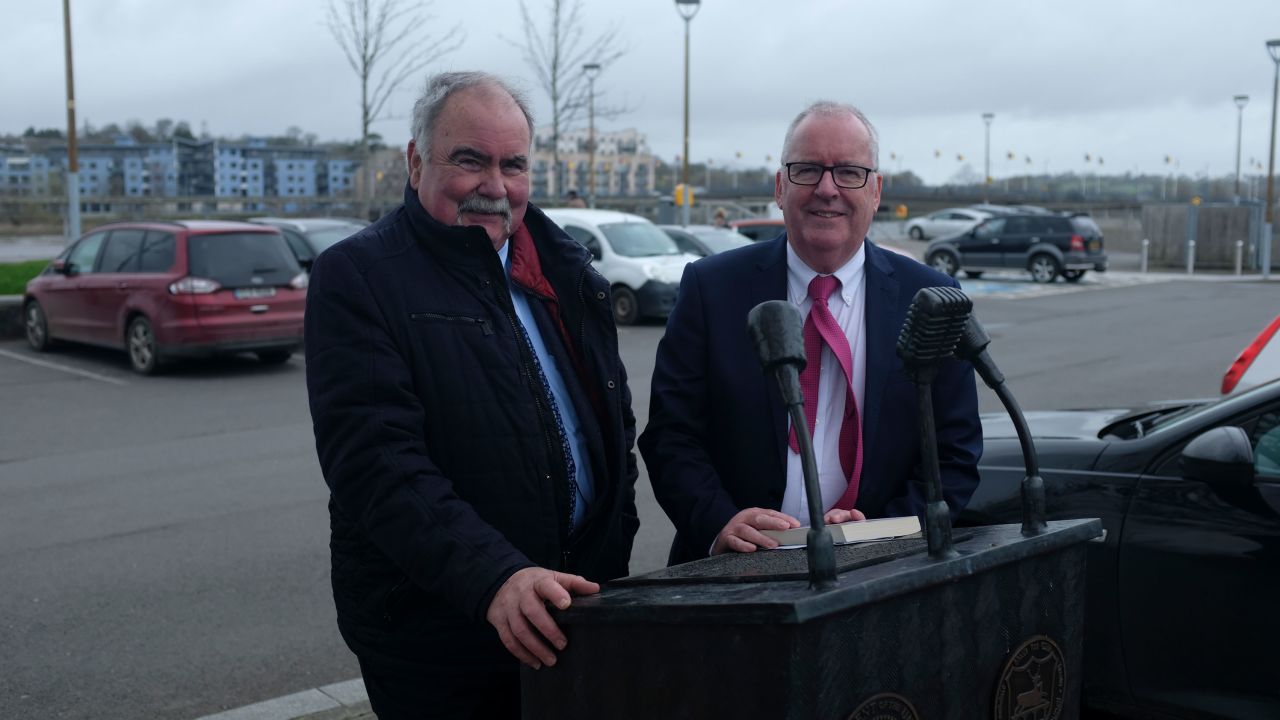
(242, 259)
(639, 239)
(721, 240)
(324, 238)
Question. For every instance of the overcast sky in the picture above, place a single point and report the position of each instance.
(1128, 80)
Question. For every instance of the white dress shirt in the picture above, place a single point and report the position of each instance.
(848, 306)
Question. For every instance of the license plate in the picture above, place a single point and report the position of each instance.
(1093, 246)
(246, 293)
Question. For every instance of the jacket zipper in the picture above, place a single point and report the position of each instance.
(484, 325)
(552, 446)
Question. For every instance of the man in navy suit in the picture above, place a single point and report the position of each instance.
(717, 444)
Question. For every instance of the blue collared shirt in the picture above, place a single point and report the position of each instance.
(559, 392)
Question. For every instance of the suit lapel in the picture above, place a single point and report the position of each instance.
(881, 303)
(770, 283)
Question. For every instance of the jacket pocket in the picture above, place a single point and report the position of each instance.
(463, 320)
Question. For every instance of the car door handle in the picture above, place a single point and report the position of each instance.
(122, 286)
(1035, 239)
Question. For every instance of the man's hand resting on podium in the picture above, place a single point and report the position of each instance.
(742, 532)
(519, 612)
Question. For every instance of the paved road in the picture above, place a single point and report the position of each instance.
(163, 541)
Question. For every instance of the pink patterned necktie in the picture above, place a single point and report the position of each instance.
(821, 327)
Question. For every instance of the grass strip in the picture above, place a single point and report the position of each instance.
(14, 276)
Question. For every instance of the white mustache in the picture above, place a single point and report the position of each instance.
(480, 205)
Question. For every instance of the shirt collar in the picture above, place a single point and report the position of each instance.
(799, 275)
(504, 257)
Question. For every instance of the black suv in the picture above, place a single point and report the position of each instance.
(1045, 245)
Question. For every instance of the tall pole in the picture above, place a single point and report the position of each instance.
(684, 157)
(986, 176)
(1241, 101)
(687, 9)
(1273, 48)
(591, 70)
(73, 157)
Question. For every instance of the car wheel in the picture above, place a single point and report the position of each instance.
(1073, 275)
(944, 262)
(274, 357)
(144, 354)
(1044, 268)
(916, 233)
(975, 274)
(37, 327)
(626, 309)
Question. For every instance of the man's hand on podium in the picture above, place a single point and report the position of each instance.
(742, 532)
(519, 612)
(835, 516)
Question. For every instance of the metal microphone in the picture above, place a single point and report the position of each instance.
(777, 331)
(973, 347)
(933, 326)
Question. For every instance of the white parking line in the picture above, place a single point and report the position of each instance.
(63, 368)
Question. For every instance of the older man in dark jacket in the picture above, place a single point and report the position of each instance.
(472, 418)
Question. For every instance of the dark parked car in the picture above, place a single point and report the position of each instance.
(704, 240)
(169, 289)
(308, 237)
(1045, 245)
(1181, 614)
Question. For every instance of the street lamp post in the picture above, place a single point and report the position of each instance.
(1241, 101)
(986, 176)
(687, 9)
(1273, 48)
(591, 70)
(73, 158)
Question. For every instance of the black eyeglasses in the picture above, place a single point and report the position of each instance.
(849, 177)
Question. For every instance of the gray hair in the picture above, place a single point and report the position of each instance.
(440, 87)
(829, 107)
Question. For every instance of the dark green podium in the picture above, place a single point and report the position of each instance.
(994, 632)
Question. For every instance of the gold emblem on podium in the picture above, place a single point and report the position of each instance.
(885, 706)
(1033, 683)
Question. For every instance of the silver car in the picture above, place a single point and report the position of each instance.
(942, 223)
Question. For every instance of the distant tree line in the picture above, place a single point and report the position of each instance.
(166, 129)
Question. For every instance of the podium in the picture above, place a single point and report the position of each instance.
(994, 632)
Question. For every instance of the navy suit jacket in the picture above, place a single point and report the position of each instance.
(716, 439)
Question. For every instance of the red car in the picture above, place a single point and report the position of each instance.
(163, 290)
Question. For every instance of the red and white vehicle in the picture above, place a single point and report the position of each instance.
(1259, 363)
(162, 290)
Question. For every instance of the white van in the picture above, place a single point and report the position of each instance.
(638, 259)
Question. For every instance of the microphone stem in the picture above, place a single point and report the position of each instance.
(821, 551)
(1033, 501)
(937, 514)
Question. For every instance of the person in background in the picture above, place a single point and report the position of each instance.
(573, 200)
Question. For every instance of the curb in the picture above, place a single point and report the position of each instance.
(339, 701)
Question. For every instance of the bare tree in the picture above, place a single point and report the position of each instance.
(386, 43)
(557, 53)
